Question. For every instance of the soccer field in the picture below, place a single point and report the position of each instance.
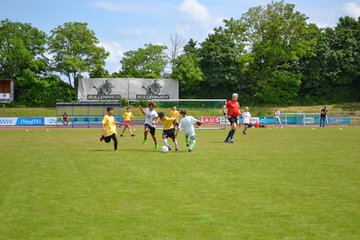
(270, 184)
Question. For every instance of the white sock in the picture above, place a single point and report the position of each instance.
(176, 144)
(166, 142)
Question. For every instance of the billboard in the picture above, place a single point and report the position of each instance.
(129, 88)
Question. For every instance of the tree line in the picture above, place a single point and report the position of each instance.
(270, 55)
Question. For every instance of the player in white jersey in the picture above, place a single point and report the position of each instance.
(187, 124)
(278, 119)
(150, 122)
(246, 119)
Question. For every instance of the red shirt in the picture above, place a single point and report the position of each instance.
(233, 108)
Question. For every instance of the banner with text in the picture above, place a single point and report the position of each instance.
(128, 88)
(8, 121)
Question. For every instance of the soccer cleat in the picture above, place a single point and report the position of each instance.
(187, 145)
(101, 138)
(169, 148)
(226, 141)
(144, 142)
(121, 135)
(156, 146)
(244, 132)
(190, 150)
(231, 141)
(133, 135)
(176, 149)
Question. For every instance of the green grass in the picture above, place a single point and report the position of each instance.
(335, 109)
(271, 184)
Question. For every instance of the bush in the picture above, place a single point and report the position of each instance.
(142, 103)
(123, 102)
(33, 91)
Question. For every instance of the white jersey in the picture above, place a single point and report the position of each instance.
(187, 124)
(150, 116)
(246, 117)
(277, 113)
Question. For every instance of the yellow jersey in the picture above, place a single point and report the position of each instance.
(175, 114)
(168, 123)
(127, 116)
(110, 126)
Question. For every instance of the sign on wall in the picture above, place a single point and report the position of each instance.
(129, 88)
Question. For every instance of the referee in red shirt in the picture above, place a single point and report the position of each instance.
(233, 111)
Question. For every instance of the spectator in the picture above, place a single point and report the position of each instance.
(278, 119)
(323, 115)
(65, 119)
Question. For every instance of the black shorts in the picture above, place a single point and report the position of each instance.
(152, 129)
(233, 120)
(248, 124)
(170, 133)
(108, 138)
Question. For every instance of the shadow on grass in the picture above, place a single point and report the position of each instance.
(101, 150)
(139, 150)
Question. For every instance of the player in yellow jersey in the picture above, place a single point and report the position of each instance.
(109, 128)
(168, 130)
(175, 114)
(127, 118)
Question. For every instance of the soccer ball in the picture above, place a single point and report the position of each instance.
(164, 149)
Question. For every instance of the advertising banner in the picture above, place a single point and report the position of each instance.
(338, 120)
(30, 121)
(129, 88)
(50, 121)
(210, 119)
(8, 121)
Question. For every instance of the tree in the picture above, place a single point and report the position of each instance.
(334, 68)
(223, 60)
(22, 48)
(75, 51)
(99, 72)
(32, 90)
(174, 50)
(148, 62)
(187, 70)
(279, 38)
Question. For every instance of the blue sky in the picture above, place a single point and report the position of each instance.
(123, 25)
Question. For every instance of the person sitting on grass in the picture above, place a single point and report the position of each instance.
(127, 118)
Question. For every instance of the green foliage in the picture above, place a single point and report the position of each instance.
(148, 62)
(269, 55)
(280, 37)
(138, 103)
(221, 61)
(335, 67)
(75, 49)
(33, 91)
(187, 71)
(123, 101)
(21, 47)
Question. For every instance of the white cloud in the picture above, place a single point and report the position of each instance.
(112, 63)
(352, 9)
(194, 10)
